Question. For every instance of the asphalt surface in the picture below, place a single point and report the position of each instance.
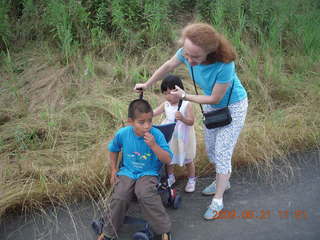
(283, 206)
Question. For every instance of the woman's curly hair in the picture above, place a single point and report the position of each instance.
(203, 35)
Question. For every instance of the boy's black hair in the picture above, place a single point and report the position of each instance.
(169, 82)
(138, 106)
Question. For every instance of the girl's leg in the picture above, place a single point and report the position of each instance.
(170, 169)
(191, 184)
(191, 170)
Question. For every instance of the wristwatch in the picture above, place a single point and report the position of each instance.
(183, 96)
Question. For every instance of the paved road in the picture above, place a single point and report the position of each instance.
(255, 209)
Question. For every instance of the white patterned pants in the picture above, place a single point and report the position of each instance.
(220, 142)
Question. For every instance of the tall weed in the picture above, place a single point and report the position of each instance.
(5, 27)
(68, 24)
(100, 24)
(58, 19)
(140, 24)
(275, 25)
(308, 32)
(101, 13)
(156, 15)
(28, 27)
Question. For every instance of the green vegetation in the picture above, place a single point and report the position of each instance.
(67, 69)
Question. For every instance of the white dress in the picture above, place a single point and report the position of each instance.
(183, 141)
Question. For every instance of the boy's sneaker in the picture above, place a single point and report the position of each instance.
(104, 237)
(166, 236)
(171, 180)
(97, 226)
(213, 211)
(191, 186)
(211, 189)
(163, 236)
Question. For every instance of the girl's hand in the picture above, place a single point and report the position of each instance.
(179, 116)
(178, 92)
(149, 139)
(140, 87)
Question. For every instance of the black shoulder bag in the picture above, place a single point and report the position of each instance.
(215, 118)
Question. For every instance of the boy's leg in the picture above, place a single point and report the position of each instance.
(151, 205)
(118, 206)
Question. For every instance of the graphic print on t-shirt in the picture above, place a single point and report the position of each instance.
(138, 159)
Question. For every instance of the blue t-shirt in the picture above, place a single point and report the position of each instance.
(206, 76)
(137, 157)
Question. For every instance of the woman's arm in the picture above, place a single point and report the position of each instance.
(160, 73)
(159, 110)
(217, 94)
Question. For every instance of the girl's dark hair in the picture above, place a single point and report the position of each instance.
(138, 106)
(169, 82)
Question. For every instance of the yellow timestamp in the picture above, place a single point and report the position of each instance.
(261, 214)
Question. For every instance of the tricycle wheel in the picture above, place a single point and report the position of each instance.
(140, 236)
(177, 202)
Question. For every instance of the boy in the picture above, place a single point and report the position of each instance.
(144, 150)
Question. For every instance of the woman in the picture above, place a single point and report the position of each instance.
(211, 58)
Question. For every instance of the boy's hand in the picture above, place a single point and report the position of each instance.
(179, 116)
(149, 139)
(113, 178)
(162, 154)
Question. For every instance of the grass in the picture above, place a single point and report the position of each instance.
(59, 106)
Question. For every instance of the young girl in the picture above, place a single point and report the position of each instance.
(183, 141)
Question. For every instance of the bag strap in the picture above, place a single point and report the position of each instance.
(195, 88)
(179, 106)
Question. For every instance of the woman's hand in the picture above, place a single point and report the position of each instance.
(178, 92)
(140, 87)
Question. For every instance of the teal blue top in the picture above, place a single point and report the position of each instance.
(138, 159)
(206, 76)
